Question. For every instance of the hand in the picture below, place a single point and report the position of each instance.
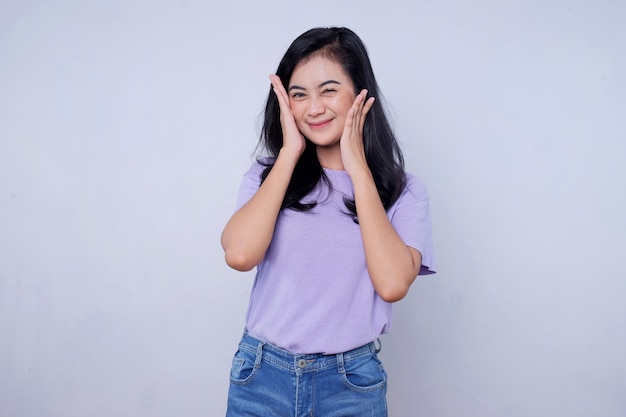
(351, 143)
(293, 140)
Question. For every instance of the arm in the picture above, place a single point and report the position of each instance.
(392, 265)
(249, 231)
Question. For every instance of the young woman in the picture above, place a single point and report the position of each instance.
(337, 231)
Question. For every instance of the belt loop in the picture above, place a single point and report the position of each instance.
(340, 365)
(380, 345)
(259, 355)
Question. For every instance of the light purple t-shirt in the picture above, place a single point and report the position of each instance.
(312, 292)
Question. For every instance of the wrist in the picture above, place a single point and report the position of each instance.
(288, 156)
(361, 174)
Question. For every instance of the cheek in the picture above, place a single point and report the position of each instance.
(297, 109)
(344, 103)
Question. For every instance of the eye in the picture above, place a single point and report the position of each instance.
(298, 96)
(329, 91)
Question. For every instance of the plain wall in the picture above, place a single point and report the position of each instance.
(125, 128)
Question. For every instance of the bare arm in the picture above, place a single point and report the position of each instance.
(249, 231)
(392, 265)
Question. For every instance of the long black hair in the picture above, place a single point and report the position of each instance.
(382, 151)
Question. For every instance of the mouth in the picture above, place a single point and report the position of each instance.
(319, 125)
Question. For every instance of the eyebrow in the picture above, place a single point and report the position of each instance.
(297, 87)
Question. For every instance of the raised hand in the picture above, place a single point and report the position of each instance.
(352, 150)
(293, 141)
(249, 231)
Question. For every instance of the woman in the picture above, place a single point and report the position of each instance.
(337, 230)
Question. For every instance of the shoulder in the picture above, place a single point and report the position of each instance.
(258, 166)
(251, 181)
(415, 187)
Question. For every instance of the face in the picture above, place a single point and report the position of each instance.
(320, 95)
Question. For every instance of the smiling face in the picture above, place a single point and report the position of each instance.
(320, 95)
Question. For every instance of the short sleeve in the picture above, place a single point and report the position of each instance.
(410, 217)
(249, 184)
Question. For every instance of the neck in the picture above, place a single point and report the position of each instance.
(330, 157)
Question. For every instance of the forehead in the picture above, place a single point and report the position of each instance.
(316, 70)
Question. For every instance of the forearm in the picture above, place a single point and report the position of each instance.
(391, 264)
(249, 231)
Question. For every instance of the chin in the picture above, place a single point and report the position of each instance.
(323, 141)
(325, 144)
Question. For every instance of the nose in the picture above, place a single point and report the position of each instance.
(315, 107)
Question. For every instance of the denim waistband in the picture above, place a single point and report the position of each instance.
(305, 362)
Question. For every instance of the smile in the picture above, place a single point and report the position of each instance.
(320, 125)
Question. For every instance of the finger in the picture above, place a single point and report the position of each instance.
(359, 100)
(279, 89)
(360, 121)
(347, 127)
(276, 82)
(357, 106)
(367, 106)
(363, 108)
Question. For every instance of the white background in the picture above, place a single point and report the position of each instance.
(125, 128)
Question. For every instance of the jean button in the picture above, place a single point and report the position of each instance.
(302, 363)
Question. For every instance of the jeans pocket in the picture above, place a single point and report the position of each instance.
(365, 374)
(243, 370)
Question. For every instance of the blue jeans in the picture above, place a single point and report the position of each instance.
(267, 381)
